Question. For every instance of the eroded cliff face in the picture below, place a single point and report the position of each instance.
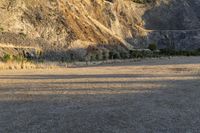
(58, 26)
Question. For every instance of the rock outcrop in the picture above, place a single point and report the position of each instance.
(59, 26)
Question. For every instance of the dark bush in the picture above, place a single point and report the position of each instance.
(179, 53)
(116, 56)
(152, 47)
(124, 55)
(105, 55)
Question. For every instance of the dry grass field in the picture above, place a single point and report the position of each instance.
(157, 95)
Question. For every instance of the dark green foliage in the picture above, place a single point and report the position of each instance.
(124, 55)
(97, 57)
(93, 57)
(6, 58)
(140, 53)
(105, 55)
(152, 47)
(179, 53)
(16, 58)
(143, 1)
(114, 55)
(134, 54)
(111, 55)
(62, 59)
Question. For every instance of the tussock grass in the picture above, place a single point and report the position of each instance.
(30, 65)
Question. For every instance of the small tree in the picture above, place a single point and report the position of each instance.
(152, 47)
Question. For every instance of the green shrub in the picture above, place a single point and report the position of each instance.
(7, 57)
(111, 55)
(114, 55)
(16, 58)
(105, 55)
(93, 57)
(97, 57)
(137, 54)
(133, 54)
(179, 53)
(152, 47)
(143, 1)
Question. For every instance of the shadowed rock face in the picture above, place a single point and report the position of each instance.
(174, 24)
(58, 25)
(175, 40)
(173, 15)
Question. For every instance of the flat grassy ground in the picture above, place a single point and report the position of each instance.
(156, 95)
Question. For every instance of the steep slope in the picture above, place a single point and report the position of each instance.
(62, 27)
(173, 15)
(62, 23)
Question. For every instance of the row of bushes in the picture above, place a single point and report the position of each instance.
(9, 58)
(142, 54)
(152, 51)
(170, 52)
(143, 1)
(122, 55)
(104, 54)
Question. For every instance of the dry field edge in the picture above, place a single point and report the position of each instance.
(154, 95)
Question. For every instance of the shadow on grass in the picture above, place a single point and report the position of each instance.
(86, 76)
(113, 106)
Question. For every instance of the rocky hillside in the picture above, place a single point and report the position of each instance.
(65, 27)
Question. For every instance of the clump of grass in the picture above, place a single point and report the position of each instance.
(7, 58)
(30, 65)
(23, 35)
(1, 29)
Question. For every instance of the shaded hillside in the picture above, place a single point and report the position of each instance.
(173, 15)
(173, 24)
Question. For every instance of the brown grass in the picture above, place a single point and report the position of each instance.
(29, 65)
(157, 95)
